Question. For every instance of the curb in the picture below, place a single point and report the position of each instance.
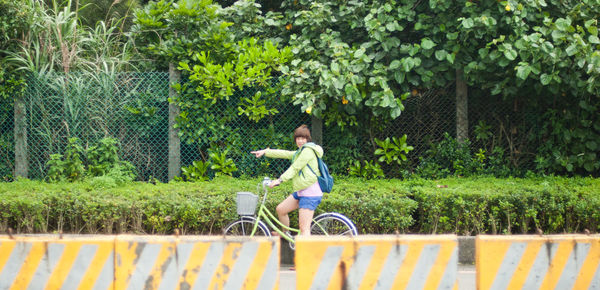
(466, 251)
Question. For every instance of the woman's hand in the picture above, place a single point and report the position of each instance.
(275, 183)
(259, 153)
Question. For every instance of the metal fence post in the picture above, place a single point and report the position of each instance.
(174, 142)
(462, 115)
(21, 150)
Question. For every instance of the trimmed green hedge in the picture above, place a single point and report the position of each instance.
(507, 206)
(455, 205)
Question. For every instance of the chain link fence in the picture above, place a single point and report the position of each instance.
(426, 117)
(228, 127)
(508, 124)
(7, 144)
(133, 108)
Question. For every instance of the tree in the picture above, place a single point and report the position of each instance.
(543, 54)
(362, 58)
(217, 60)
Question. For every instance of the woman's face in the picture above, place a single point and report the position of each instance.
(300, 141)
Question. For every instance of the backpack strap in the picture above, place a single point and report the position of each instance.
(317, 163)
(300, 172)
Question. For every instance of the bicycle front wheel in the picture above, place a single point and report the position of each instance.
(333, 224)
(244, 226)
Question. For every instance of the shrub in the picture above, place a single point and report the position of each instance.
(465, 206)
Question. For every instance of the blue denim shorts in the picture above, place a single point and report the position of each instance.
(307, 202)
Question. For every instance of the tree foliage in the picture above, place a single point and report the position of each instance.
(369, 53)
(353, 63)
(363, 58)
(219, 53)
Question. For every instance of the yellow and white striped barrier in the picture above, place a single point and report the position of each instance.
(538, 262)
(137, 262)
(37, 262)
(188, 263)
(377, 262)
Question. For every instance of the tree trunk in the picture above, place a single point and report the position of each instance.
(317, 130)
(174, 142)
(462, 113)
(21, 154)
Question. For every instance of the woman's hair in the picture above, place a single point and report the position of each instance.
(302, 131)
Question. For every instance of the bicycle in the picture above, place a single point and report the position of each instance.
(251, 222)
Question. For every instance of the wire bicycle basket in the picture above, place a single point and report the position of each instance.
(246, 203)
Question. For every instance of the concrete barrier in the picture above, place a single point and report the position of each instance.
(377, 262)
(37, 262)
(138, 262)
(538, 262)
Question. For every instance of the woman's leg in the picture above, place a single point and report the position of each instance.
(305, 216)
(286, 206)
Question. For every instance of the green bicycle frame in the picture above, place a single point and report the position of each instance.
(273, 222)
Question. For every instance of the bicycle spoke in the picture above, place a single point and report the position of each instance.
(332, 225)
(348, 232)
(244, 228)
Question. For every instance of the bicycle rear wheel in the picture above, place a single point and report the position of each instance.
(244, 226)
(333, 224)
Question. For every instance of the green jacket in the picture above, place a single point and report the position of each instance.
(299, 172)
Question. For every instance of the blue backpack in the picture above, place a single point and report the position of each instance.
(325, 180)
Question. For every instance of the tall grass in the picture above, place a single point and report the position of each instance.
(77, 71)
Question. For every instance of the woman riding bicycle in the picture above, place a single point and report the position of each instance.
(307, 193)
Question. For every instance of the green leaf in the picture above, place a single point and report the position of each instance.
(558, 35)
(351, 92)
(594, 39)
(547, 47)
(483, 52)
(395, 113)
(523, 71)
(520, 44)
(359, 52)
(545, 79)
(184, 66)
(426, 43)
(390, 26)
(399, 76)
(510, 54)
(571, 50)
(335, 67)
(338, 83)
(468, 23)
(407, 64)
(440, 54)
(452, 36)
(589, 23)
(395, 64)
(563, 24)
(569, 167)
(450, 57)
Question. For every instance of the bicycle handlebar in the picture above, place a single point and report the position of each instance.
(266, 181)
